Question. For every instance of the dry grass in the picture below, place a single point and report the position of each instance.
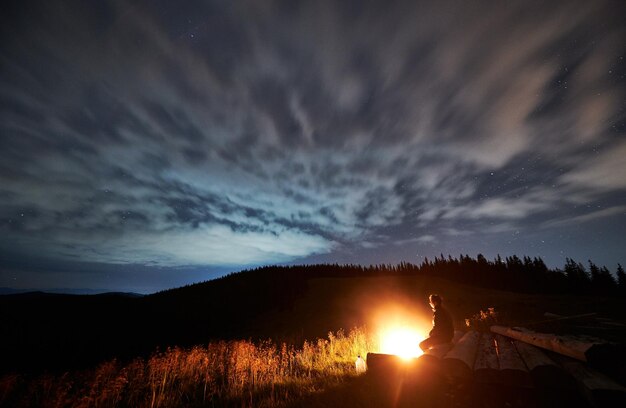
(234, 373)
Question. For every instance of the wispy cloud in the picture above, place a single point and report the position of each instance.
(228, 133)
(589, 216)
(602, 171)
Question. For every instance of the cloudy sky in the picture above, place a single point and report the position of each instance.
(150, 144)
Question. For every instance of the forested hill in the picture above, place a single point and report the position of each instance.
(230, 306)
(525, 275)
(56, 332)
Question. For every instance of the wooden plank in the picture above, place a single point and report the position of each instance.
(486, 365)
(513, 371)
(459, 362)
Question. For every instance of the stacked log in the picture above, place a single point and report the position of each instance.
(543, 370)
(438, 351)
(486, 366)
(570, 353)
(500, 376)
(596, 351)
(513, 371)
(598, 389)
(500, 367)
(459, 362)
(552, 385)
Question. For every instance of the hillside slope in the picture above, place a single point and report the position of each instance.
(57, 332)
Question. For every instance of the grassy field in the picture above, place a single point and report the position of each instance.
(234, 373)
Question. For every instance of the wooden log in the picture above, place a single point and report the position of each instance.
(427, 369)
(384, 375)
(600, 390)
(458, 335)
(459, 362)
(553, 385)
(558, 344)
(513, 371)
(424, 384)
(486, 365)
(598, 353)
(533, 357)
(385, 365)
(438, 351)
(392, 367)
(406, 382)
(609, 322)
(555, 316)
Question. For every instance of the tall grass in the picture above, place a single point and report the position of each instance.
(233, 373)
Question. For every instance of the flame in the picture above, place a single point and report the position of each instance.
(401, 341)
(401, 325)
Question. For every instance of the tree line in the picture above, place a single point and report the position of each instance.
(526, 274)
(530, 275)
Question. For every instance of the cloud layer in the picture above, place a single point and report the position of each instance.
(243, 133)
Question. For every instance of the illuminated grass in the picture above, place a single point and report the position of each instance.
(233, 373)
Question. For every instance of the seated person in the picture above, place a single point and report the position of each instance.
(443, 328)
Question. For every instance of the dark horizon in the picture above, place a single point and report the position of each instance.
(585, 267)
(148, 145)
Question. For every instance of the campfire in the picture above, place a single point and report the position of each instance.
(402, 341)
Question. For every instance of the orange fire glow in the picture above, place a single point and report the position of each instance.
(400, 323)
(402, 341)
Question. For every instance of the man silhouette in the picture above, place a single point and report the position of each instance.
(443, 329)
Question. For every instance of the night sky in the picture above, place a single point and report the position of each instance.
(151, 144)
